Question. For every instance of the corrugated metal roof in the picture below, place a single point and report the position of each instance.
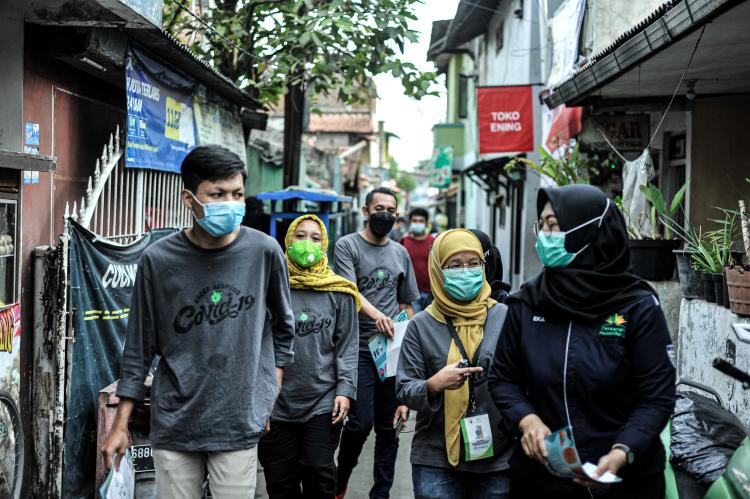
(471, 20)
(650, 19)
(438, 37)
(672, 20)
(171, 49)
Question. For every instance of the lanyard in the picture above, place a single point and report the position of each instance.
(460, 344)
(465, 355)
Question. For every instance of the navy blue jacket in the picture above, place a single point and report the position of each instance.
(620, 382)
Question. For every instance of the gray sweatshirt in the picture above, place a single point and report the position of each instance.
(424, 352)
(222, 321)
(325, 356)
(383, 274)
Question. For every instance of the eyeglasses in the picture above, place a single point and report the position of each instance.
(536, 228)
(473, 264)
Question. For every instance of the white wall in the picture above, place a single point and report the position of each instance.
(516, 63)
(706, 333)
(510, 65)
(605, 20)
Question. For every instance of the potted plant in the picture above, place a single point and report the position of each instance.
(738, 276)
(711, 254)
(564, 168)
(691, 284)
(651, 248)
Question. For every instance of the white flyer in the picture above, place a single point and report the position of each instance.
(607, 477)
(120, 484)
(393, 350)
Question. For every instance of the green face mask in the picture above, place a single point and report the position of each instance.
(305, 253)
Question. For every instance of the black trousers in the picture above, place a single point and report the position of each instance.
(297, 458)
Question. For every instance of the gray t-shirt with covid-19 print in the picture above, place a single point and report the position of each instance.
(222, 322)
(383, 273)
(325, 356)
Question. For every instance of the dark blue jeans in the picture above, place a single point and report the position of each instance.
(425, 298)
(375, 406)
(431, 482)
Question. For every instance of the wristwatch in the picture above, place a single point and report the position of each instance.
(628, 453)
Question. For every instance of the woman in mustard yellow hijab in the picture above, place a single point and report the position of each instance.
(297, 453)
(459, 450)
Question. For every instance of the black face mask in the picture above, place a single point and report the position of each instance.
(381, 223)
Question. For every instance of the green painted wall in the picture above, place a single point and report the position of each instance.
(261, 175)
(450, 134)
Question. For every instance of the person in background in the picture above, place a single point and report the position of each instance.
(384, 275)
(462, 325)
(441, 222)
(417, 243)
(493, 267)
(255, 218)
(398, 229)
(586, 347)
(297, 454)
(213, 301)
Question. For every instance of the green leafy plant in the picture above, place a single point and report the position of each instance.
(659, 209)
(711, 250)
(567, 169)
(324, 46)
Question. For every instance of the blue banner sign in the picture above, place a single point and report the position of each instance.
(161, 128)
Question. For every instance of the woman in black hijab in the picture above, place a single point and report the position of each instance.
(493, 267)
(585, 352)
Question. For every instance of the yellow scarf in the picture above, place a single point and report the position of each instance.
(319, 277)
(468, 319)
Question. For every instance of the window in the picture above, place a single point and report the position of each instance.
(463, 96)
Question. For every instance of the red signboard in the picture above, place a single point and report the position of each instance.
(506, 119)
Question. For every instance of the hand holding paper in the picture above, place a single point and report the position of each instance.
(385, 351)
(563, 459)
(120, 484)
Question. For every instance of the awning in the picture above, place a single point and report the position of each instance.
(490, 174)
(108, 21)
(471, 20)
(648, 60)
(22, 161)
(438, 37)
(306, 195)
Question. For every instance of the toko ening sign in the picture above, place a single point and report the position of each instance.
(506, 119)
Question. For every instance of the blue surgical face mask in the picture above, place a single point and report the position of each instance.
(463, 285)
(220, 219)
(550, 246)
(417, 228)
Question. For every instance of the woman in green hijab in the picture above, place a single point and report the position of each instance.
(297, 453)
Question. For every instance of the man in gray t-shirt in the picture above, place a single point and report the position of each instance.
(213, 301)
(384, 275)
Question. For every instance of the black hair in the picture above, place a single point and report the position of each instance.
(210, 162)
(402, 220)
(379, 190)
(419, 212)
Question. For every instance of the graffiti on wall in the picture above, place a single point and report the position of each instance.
(10, 346)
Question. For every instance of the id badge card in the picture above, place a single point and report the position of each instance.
(477, 435)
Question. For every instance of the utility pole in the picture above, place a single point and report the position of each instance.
(294, 109)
